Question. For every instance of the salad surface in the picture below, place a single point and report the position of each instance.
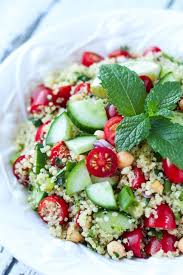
(101, 154)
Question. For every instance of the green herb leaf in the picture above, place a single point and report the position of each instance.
(126, 198)
(124, 89)
(163, 96)
(166, 138)
(131, 131)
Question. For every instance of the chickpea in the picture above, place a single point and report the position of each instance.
(125, 159)
(99, 134)
(181, 104)
(73, 235)
(157, 187)
(180, 245)
(80, 157)
(115, 248)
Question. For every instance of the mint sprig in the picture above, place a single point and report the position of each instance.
(147, 117)
(124, 88)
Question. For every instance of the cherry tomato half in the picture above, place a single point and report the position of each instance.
(166, 243)
(40, 132)
(101, 162)
(110, 128)
(58, 152)
(147, 82)
(83, 86)
(53, 208)
(20, 169)
(89, 58)
(39, 97)
(63, 95)
(165, 218)
(138, 178)
(172, 172)
(152, 49)
(134, 243)
(118, 53)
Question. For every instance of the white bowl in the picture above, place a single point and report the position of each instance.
(21, 231)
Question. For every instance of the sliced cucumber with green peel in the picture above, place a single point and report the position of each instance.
(40, 158)
(97, 89)
(102, 195)
(81, 145)
(61, 128)
(144, 67)
(78, 179)
(112, 180)
(112, 223)
(167, 77)
(88, 115)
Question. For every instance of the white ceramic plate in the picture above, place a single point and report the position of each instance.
(21, 231)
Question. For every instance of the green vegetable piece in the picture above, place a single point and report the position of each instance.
(181, 196)
(131, 131)
(124, 88)
(167, 187)
(166, 139)
(36, 122)
(40, 158)
(78, 179)
(112, 223)
(126, 198)
(35, 197)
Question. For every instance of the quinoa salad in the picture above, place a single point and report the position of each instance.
(101, 153)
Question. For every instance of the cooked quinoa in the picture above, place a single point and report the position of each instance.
(119, 204)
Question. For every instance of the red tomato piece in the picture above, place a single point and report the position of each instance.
(39, 98)
(172, 172)
(20, 170)
(83, 86)
(89, 58)
(63, 95)
(101, 162)
(118, 53)
(147, 82)
(152, 49)
(53, 208)
(166, 243)
(138, 179)
(40, 132)
(110, 128)
(134, 243)
(165, 218)
(58, 152)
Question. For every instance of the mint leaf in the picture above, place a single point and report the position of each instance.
(174, 116)
(166, 139)
(163, 96)
(131, 131)
(124, 89)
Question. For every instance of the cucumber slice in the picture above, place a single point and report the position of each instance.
(97, 89)
(35, 197)
(61, 128)
(112, 180)
(167, 77)
(40, 158)
(144, 67)
(78, 179)
(81, 145)
(102, 195)
(88, 114)
(113, 223)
